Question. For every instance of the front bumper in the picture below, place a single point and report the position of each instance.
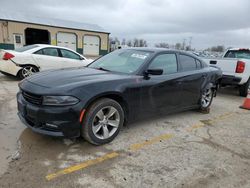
(47, 120)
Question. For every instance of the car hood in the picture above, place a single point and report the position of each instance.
(72, 77)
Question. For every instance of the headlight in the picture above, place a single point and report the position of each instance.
(59, 100)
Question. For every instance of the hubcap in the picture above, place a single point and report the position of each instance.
(28, 71)
(106, 122)
(206, 98)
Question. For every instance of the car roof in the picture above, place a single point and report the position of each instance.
(158, 50)
(48, 45)
(53, 46)
(239, 49)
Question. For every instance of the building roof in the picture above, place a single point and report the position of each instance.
(21, 17)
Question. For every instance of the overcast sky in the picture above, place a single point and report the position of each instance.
(208, 22)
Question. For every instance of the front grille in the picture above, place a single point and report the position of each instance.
(32, 98)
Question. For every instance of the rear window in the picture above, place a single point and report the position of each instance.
(241, 54)
(188, 63)
(25, 48)
(69, 54)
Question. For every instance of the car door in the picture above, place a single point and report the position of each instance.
(48, 58)
(193, 77)
(162, 92)
(71, 59)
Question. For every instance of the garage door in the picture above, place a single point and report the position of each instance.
(67, 40)
(91, 45)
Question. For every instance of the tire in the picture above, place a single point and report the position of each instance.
(243, 90)
(97, 121)
(27, 70)
(206, 99)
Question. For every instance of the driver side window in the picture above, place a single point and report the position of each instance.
(166, 62)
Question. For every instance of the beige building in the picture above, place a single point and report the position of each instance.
(17, 30)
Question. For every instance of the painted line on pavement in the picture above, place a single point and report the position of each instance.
(82, 165)
(92, 162)
(200, 124)
(137, 146)
(133, 147)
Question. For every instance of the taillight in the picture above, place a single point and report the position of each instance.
(240, 67)
(7, 56)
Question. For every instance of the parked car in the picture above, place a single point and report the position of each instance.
(95, 101)
(38, 57)
(235, 65)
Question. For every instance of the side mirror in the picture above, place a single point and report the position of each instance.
(154, 71)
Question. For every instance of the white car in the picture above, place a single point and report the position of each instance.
(235, 65)
(30, 59)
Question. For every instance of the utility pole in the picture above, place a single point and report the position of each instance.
(190, 42)
(183, 44)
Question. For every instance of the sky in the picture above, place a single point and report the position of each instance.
(206, 22)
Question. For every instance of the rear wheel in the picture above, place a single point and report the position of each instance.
(206, 99)
(103, 121)
(243, 90)
(27, 70)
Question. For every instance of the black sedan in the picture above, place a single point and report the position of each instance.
(95, 101)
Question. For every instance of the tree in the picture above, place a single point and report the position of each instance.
(117, 41)
(178, 46)
(162, 45)
(218, 48)
(142, 43)
(123, 42)
(135, 42)
(129, 43)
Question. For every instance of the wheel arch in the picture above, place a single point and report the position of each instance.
(116, 96)
(23, 65)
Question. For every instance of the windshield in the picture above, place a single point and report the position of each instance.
(125, 61)
(25, 48)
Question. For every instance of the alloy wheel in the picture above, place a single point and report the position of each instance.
(106, 122)
(28, 71)
(206, 98)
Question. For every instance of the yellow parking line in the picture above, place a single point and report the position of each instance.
(196, 126)
(82, 165)
(133, 147)
(214, 120)
(138, 146)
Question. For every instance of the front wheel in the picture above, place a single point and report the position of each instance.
(103, 121)
(206, 99)
(27, 70)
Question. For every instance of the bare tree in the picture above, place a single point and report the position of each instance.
(143, 43)
(135, 42)
(129, 43)
(219, 48)
(162, 45)
(178, 46)
(123, 42)
(117, 41)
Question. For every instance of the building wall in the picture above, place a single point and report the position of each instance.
(7, 29)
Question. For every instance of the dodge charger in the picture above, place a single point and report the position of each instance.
(95, 101)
